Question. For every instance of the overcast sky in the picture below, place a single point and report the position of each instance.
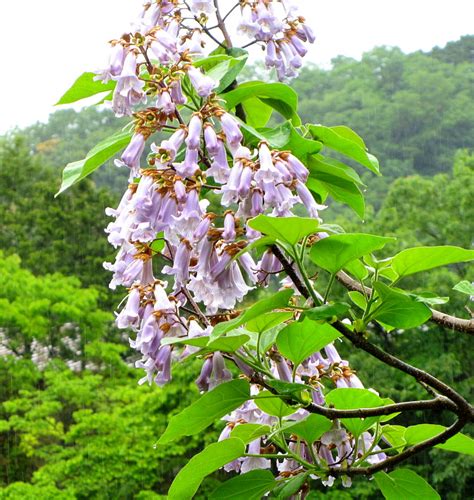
(48, 43)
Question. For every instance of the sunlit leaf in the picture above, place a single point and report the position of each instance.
(415, 260)
(96, 157)
(336, 251)
(404, 484)
(85, 86)
(216, 455)
(211, 406)
(299, 340)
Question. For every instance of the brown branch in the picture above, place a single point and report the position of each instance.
(290, 271)
(222, 26)
(439, 403)
(444, 320)
(198, 311)
(457, 404)
(409, 452)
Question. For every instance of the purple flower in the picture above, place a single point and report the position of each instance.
(181, 262)
(308, 201)
(116, 59)
(297, 168)
(245, 182)
(252, 463)
(231, 130)
(213, 373)
(203, 84)
(202, 229)
(202, 6)
(131, 156)
(169, 148)
(176, 92)
(129, 316)
(210, 137)
(164, 103)
(190, 164)
(163, 365)
(219, 170)
(229, 227)
(194, 132)
(128, 81)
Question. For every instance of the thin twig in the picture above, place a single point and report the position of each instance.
(222, 26)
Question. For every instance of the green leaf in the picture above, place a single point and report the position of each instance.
(216, 455)
(347, 142)
(276, 95)
(299, 340)
(341, 190)
(252, 486)
(404, 484)
(465, 287)
(394, 434)
(415, 260)
(249, 432)
(352, 399)
(397, 309)
(311, 428)
(269, 320)
(327, 311)
(290, 487)
(320, 165)
(460, 443)
(96, 157)
(358, 299)
(277, 301)
(287, 137)
(286, 229)
(336, 251)
(298, 392)
(429, 298)
(357, 269)
(257, 112)
(273, 405)
(227, 71)
(208, 408)
(224, 344)
(85, 86)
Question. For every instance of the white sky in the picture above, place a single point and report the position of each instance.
(48, 43)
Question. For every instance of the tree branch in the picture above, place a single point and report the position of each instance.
(222, 26)
(444, 320)
(401, 457)
(457, 404)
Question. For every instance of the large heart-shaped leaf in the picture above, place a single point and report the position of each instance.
(85, 86)
(189, 478)
(336, 251)
(404, 484)
(252, 486)
(96, 157)
(286, 229)
(347, 142)
(460, 443)
(416, 260)
(208, 408)
(352, 399)
(299, 340)
(277, 301)
(311, 428)
(274, 95)
(397, 309)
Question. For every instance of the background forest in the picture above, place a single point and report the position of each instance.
(73, 421)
